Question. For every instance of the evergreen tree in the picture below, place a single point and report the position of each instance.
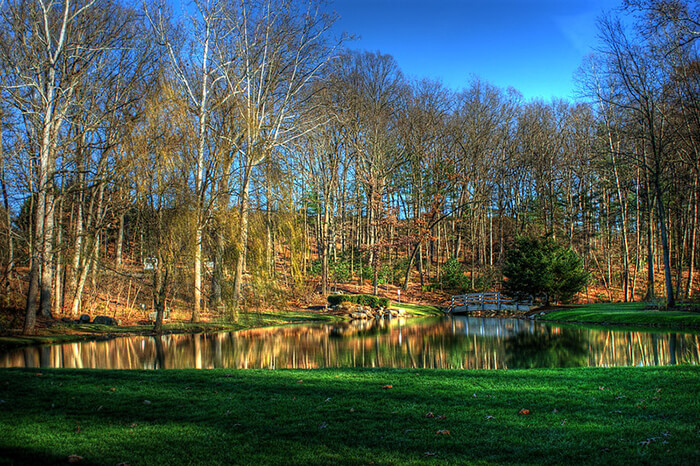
(536, 266)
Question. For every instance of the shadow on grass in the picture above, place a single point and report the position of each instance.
(345, 416)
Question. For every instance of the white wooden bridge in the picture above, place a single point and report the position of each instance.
(487, 302)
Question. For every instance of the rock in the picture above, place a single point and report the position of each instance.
(105, 320)
(84, 319)
(358, 315)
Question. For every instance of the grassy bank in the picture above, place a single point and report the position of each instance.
(624, 314)
(419, 310)
(350, 416)
(60, 332)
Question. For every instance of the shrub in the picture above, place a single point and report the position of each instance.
(362, 299)
(535, 266)
(453, 277)
(341, 271)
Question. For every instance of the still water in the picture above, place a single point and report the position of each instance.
(440, 342)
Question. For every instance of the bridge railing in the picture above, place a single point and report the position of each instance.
(479, 301)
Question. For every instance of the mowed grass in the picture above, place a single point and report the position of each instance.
(350, 416)
(419, 309)
(624, 314)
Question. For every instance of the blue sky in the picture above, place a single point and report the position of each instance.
(534, 46)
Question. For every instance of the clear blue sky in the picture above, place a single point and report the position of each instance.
(534, 46)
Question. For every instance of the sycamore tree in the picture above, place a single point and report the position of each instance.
(535, 266)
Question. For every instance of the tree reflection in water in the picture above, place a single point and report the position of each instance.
(450, 343)
(564, 348)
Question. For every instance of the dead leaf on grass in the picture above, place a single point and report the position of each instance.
(443, 432)
(75, 458)
(524, 412)
(387, 387)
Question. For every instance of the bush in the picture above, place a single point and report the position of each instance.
(362, 299)
(453, 277)
(535, 266)
(340, 271)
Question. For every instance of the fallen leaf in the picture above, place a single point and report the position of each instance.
(74, 458)
(300, 381)
(443, 432)
(112, 389)
(524, 412)
(387, 387)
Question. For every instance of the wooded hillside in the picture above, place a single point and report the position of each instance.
(239, 154)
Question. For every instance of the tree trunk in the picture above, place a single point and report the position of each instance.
(242, 236)
(671, 299)
(120, 240)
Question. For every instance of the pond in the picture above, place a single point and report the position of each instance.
(439, 342)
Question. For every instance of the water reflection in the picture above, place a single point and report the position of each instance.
(449, 343)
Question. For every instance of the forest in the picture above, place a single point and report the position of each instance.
(239, 153)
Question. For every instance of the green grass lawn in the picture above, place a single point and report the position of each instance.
(625, 314)
(419, 309)
(350, 416)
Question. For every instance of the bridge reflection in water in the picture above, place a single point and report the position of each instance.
(446, 343)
